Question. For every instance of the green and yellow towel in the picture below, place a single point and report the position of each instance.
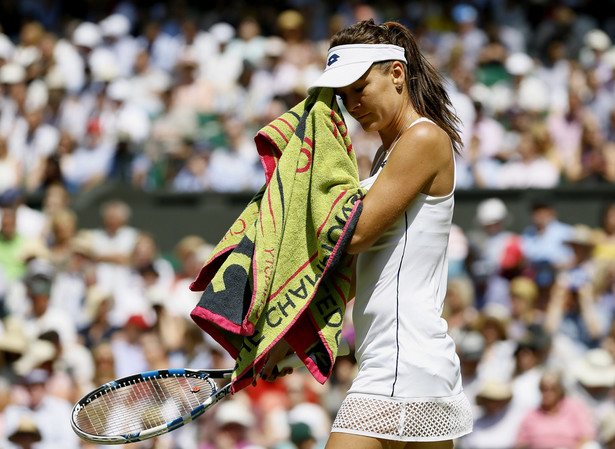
(281, 269)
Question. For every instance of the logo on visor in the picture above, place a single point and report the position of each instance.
(333, 58)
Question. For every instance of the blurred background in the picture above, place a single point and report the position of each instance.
(126, 151)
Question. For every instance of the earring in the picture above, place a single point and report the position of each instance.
(399, 87)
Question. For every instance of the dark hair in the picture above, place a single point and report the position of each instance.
(424, 82)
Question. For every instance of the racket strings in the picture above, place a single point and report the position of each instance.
(142, 404)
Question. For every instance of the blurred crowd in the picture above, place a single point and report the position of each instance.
(170, 95)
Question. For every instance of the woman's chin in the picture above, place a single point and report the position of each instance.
(368, 126)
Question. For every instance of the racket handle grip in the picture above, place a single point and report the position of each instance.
(293, 361)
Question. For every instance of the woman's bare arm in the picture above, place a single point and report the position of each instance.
(422, 162)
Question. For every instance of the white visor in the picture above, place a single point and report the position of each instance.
(348, 63)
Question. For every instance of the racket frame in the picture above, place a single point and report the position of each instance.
(217, 395)
(208, 375)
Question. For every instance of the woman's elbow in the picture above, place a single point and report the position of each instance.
(357, 244)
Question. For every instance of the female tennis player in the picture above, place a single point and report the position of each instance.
(408, 392)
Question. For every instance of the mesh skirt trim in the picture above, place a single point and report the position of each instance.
(434, 419)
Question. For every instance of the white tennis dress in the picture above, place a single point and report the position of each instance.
(408, 386)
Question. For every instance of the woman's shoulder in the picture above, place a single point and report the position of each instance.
(427, 136)
(426, 127)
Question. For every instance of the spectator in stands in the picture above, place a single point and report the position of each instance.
(459, 305)
(598, 99)
(531, 355)
(565, 126)
(66, 112)
(298, 65)
(559, 421)
(530, 167)
(593, 161)
(74, 279)
(594, 382)
(235, 167)
(496, 427)
(96, 326)
(26, 434)
(607, 431)
(10, 169)
(48, 412)
(495, 252)
(146, 253)
(13, 344)
(524, 295)
(554, 71)
(303, 404)
(115, 30)
(562, 22)
(42, 316)
(11, 244)
(233, 427)
(574, 310)
(592, 55)
(605, 235)
(31, 222)
(32, 141)
(86, 38)
(161, 46)
(63, 229)
(572, 317)
(262, 84)
(90, 163)
(114, 241)
(543, 239)
(300, 438)
(72, 366)
(486, 144)
(16, 300)
(172, 330)
(470, 345)
(492, 56)
(493, 242)
(128, 352)
(523, 91)
(193, 175)
(104, 364)
(193, 92)
(468, 38)
(497, 361)
(191, 252)
(223, 67)
(155, 351)
(13, 80)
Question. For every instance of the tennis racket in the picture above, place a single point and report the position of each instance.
(149, 404)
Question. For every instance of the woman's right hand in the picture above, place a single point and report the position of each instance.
(278, 352)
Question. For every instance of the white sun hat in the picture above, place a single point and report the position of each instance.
(597, 39)
(115, 25)
(491, 211)
(87, 34)
(12, 73)
(234, 412)
(348, 63)
(595, 369)
(519, 63)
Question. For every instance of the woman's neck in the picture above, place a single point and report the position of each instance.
(391, 135)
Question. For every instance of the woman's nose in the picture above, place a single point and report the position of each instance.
(352, 103)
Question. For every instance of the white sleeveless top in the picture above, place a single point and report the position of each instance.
(403, 348)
